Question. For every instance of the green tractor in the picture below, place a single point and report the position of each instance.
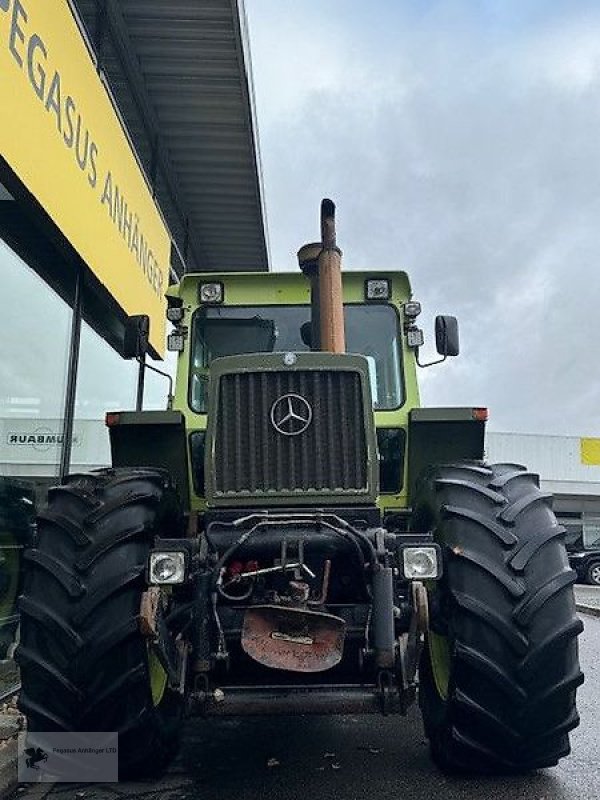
(296, 535)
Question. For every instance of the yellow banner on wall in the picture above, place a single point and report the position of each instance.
(590, 452)
(61, 136)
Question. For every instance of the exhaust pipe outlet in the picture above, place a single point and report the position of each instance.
(321, 262)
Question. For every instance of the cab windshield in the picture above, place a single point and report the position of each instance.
(371, 331)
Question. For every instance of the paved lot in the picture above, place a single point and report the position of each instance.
(350, 758)
(589, 595)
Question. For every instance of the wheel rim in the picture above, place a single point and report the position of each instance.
(439, 653)
(595, 574)
(158, 676)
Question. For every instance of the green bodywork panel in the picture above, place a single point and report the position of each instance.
(442, 435)
(246, 289)
(133, 438)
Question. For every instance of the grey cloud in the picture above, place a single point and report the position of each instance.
(472, 161)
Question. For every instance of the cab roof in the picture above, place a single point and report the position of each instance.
(284, 287)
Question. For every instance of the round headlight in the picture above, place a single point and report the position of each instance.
(420, 562)
(378, 289)
(211, 293)
(167, 568)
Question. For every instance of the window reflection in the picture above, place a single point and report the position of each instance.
(371, 331)
(34, 337)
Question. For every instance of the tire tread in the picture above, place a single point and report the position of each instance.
(84, 663)
(508, 608)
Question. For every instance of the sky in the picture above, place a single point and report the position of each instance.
(461, 143)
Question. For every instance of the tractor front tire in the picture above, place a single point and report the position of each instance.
(500, 669)
(85, 666)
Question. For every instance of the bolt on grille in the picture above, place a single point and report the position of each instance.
(252, 457)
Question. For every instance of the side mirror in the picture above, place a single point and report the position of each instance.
(135, 338)
(446, 336)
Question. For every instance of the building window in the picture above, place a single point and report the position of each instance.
(573, 523)
(34, 346)
(591, 530)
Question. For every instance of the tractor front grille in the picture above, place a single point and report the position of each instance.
(253, 458)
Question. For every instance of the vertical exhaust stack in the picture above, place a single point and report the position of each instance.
(321, 262)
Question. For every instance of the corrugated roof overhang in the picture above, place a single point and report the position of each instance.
(180, 73)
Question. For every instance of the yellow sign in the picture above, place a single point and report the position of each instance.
(590, 452)
(61, 136)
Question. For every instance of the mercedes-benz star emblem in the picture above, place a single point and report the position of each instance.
(291, 414)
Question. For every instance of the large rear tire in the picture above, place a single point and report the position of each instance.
(500, 671)
(84, 664)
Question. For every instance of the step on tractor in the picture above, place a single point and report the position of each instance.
(296, 535)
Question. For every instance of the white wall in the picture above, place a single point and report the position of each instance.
(557, 460)
(31, 447)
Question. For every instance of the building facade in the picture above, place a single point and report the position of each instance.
(569, 467)
(96, 220)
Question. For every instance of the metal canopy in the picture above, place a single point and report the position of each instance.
(180, 74)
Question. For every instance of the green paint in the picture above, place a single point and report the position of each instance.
(439, 652)
(242, 289)
(158, 676)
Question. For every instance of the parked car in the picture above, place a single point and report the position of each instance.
(587, 564)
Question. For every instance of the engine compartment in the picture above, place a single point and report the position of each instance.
(294, 593)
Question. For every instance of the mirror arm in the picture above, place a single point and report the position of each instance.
(431, 363)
